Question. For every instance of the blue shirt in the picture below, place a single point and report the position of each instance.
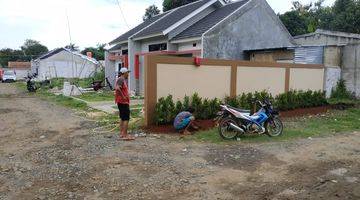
(180, 117)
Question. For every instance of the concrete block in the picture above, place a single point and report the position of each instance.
(332, 76)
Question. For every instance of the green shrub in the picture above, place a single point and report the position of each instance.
(340, 91)
(299, 99)
(232, 101)
(196, 104)
(178, 107)
(165, 110)
(186, 103)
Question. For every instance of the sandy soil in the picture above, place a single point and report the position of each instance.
(47, 152)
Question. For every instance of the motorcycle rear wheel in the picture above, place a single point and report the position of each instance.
(225, 131)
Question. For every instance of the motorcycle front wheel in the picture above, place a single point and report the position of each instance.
(274, 127)
(225, 131)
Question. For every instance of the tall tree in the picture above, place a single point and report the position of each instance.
(33, 48)
(344, 16)
(171, 4)
(98, 52)
(150, 12)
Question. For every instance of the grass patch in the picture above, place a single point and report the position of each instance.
(97, 96)
(102, 96)
(107, 120)
(334, 122)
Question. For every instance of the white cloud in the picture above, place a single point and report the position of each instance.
(91, 21)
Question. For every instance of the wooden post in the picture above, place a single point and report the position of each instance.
(287, 79)
(150, 89)
(233, 79)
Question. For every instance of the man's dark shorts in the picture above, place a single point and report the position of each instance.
(124, 111)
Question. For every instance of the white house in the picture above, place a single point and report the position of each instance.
(64, 63)
(205, 28)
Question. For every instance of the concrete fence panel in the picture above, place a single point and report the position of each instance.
(270, 79)
(178, 76)
(306, 79)
(207, 81)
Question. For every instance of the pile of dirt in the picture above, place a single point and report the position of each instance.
(169, 128)
(304, 111)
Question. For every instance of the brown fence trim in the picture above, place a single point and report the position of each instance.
(150, 88)
(287, 80)
(217, 62)
(233, 82)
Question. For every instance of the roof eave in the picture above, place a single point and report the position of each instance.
(147, 36)
(191, 39)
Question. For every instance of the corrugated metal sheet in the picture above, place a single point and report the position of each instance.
(309, 55)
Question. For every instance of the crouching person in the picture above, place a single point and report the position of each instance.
(185, 121)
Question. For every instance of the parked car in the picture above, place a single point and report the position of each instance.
(9, 76)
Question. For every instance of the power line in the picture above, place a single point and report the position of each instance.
(122, 14)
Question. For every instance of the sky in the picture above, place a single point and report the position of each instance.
(91, 21)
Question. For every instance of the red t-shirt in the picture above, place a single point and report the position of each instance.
(122, 96)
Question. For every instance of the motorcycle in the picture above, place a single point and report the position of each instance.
(234, 122)
(30, 84)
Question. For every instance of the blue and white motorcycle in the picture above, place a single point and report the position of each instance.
(234, 122)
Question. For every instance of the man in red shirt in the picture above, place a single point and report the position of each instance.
(122, 99)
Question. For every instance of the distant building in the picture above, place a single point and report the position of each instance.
(333, 49)
(64, 63)
(21, 69)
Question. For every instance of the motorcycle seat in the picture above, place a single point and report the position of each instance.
(240, 110)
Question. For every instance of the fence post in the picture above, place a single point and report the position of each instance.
(150, 88)
(233, 79)
(287, 79)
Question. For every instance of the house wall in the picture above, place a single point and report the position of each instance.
(178, 76)
(332, 56)
(65, 65)
(187, 46)
(110, 72)
(351, 68)
(144, 49)
(255, 26)
(22, 73)
(272, 56)
(133, 48)
(325, 40)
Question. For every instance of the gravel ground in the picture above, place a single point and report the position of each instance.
(47, 152)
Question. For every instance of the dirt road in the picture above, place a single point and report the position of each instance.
(47, 152)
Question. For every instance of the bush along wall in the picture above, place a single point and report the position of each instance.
(166, 109)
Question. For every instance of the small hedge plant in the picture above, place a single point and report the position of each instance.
(340, 91)
(166, 110)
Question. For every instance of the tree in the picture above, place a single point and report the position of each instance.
(33, 48)
(98, 51)
(294, 22)
(72, 47)
(344, 16)
(150, 12)
(171, 4)
(8, 55)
